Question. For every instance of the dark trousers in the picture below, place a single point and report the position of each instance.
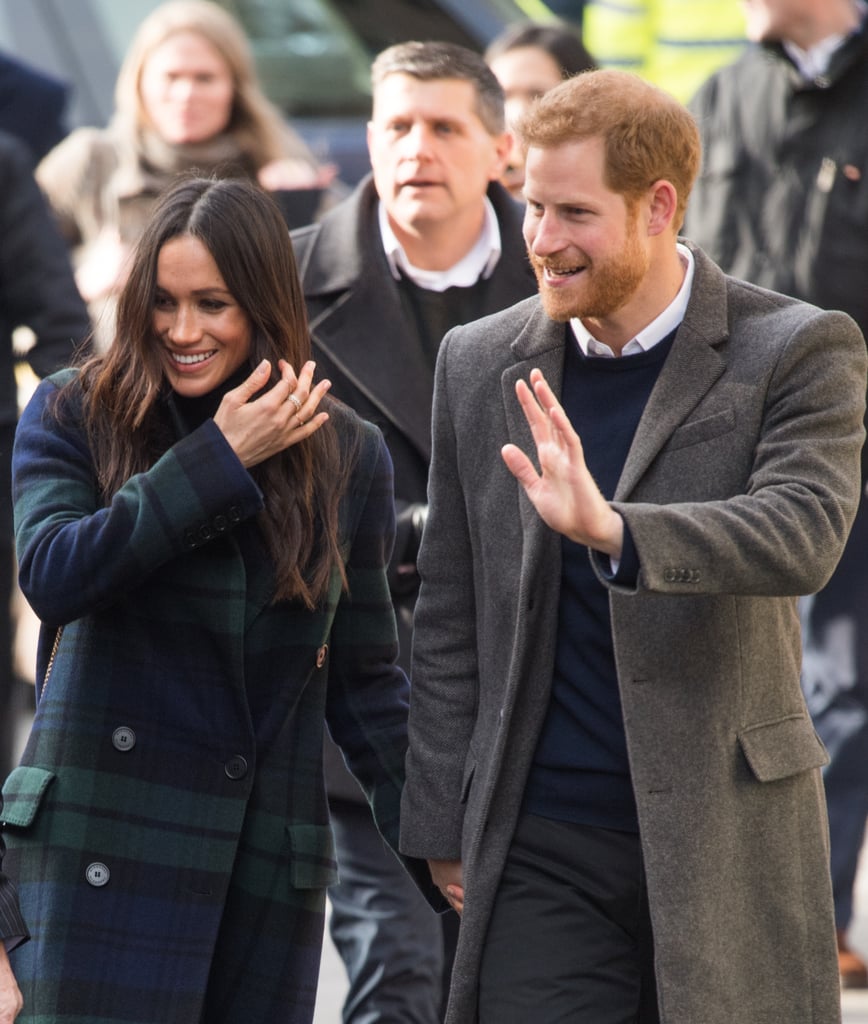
(835, 682)
(569, 941)
(389, 938)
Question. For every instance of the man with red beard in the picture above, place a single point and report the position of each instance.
(612, 772)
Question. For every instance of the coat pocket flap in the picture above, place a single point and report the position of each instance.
(702, 430)
(777, 750)
(314, 862)
(22, 793)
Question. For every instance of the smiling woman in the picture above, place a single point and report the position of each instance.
(193, 513)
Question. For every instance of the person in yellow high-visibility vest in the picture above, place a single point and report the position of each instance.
(676, 44)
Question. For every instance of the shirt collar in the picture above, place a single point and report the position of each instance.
(478, 263)
(659, 328)
(814, 62)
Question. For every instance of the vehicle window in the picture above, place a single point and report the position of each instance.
(309, 61)
(380, 23)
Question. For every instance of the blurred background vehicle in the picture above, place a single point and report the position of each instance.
(313, 56)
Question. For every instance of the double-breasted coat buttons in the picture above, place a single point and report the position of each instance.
(123, 739)
(236, 767)
(97, 874)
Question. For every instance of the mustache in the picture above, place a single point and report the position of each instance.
(554, 264)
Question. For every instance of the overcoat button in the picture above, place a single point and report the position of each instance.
(236, 767)
(123, 739)
(321, 655)
(97, 874)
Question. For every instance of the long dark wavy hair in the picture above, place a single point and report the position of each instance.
(124, 389)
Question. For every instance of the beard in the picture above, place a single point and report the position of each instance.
(604, 286)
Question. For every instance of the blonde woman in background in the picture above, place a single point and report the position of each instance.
(187, 98)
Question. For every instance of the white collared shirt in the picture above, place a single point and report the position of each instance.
(659, 328)
(478, 263)
(814, 62)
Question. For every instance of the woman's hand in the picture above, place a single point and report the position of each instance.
(446, 875)
(257, 428)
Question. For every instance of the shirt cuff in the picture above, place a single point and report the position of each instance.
(624, 570)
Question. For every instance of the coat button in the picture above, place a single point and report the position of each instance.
(321, 655)
(236, 767)
(97, 874)
(123, 739)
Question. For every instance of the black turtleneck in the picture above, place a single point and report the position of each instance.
(189, 413)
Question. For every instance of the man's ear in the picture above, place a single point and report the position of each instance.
(502, 151)
(663, 202)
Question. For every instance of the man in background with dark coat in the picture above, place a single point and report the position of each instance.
(782, 201)
(428, 241)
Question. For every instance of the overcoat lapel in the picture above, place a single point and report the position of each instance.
(358, 346)
(690, 370)
(346, 270)
(540, 345)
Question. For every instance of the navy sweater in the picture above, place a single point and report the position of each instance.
(580, 771)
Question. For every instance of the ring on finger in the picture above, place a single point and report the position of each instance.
(296, 402)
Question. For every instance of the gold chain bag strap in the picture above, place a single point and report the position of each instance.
(51, 658)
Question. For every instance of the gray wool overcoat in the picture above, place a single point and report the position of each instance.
(739, 490)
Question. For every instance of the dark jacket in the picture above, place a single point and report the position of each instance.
(37, 289)
(360, 340)
(782, 198)
(367, 346)
(169, 819)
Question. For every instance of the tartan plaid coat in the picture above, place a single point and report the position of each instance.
(168, 827)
